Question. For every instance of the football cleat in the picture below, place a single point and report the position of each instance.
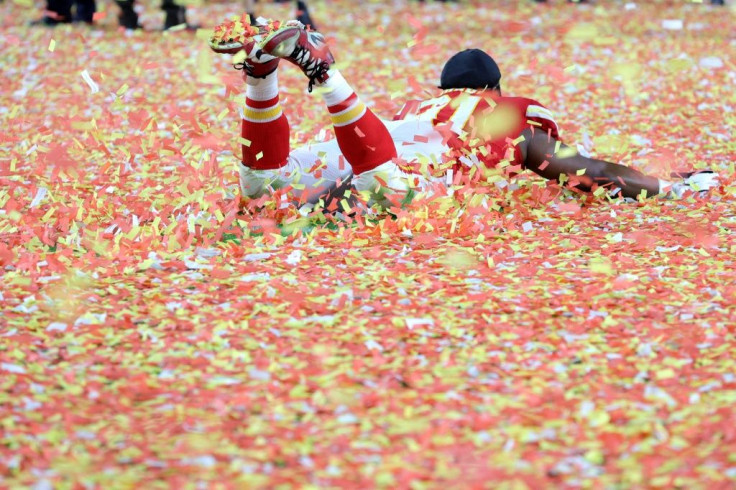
(231, 37)
(385, 185)
(258, 64)
(306, 49)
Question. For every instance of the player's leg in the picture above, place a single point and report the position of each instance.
(128, 17)
(85, 11)
(362, 137)
(250, 9)
(267, 163)
(264, 127)
(318, 170)
(302, 14)
(57, 12)
(311, 173)
(175, 15)
(265, 133)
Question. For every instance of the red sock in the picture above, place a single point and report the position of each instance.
(363, 138)
(265, 128)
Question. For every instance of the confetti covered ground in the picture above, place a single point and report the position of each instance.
(151, 336)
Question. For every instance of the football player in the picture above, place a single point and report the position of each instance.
(470, 124)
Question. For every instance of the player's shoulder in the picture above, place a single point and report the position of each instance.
(521, 102)
(530, 108)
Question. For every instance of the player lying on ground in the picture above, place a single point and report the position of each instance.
(469, 124)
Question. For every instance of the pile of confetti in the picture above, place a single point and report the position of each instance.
(238, 30)
(152, 334)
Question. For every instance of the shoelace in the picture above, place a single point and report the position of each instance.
(315, 70)
(248, 68)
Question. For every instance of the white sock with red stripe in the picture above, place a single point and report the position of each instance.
(265, 127)
(363, 138)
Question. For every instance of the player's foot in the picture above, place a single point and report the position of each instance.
(255, 183)
(230, 37)
(306, 49)
(698, 182)
(385, 185)
(49, 21)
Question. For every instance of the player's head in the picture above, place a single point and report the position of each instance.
(472, 68)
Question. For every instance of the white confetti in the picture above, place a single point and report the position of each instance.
(586, 408)
(259, 374)
(294, 257)
(415, 322)
(91, 319)
(12, 368)
(261, 276)
(373, 345)
(43, 484)
(673, 24)
(347, 418)
(255, 257)
(40, 195)
(88, 80)
(196, 265)
(711, 62)
(204, 461)
(56, 327)
(583, 150)
(207, 253)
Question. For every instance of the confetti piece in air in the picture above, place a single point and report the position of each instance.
(673, 24)
(94, 88)
(502, 329)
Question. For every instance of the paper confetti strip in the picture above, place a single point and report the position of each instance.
(94, 88)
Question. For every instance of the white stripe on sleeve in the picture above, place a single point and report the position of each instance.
(540, 112)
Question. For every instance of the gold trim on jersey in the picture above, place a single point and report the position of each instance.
(539, 111)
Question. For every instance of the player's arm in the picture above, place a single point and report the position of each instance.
(546, 156)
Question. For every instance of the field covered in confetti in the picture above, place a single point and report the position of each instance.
(152, 336)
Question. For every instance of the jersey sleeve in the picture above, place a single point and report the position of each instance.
(540, 118)
(493, 130)
(482, 128)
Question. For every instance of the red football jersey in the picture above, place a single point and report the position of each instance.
(480, 126)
